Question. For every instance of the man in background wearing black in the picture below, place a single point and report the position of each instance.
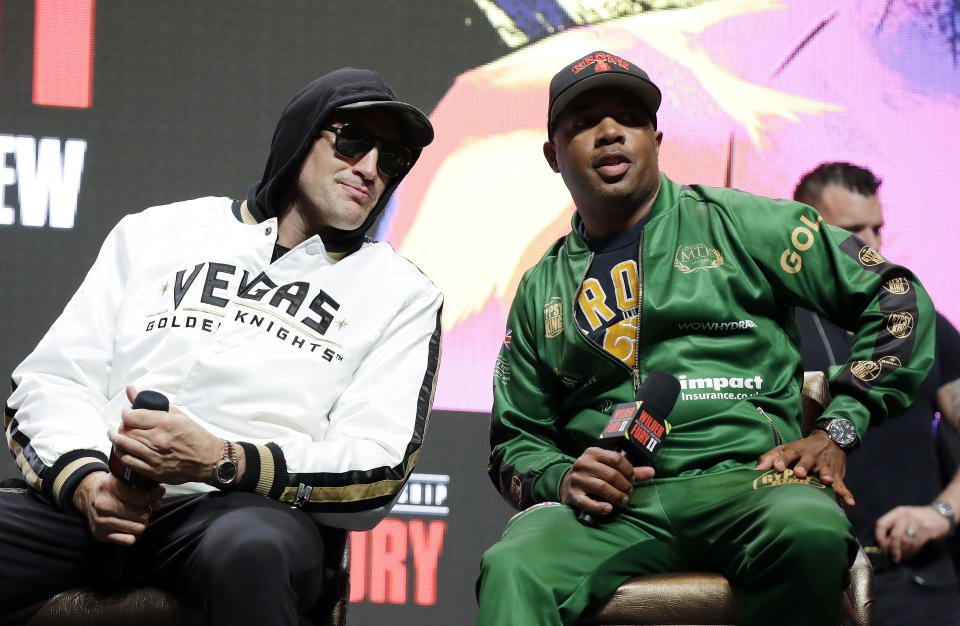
(903, 512)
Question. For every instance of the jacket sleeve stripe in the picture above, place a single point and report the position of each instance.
(370, 485)
(56, 482)
(23, 456)
(894, 343)
(354, 493)
(515, 486)
(28, 461)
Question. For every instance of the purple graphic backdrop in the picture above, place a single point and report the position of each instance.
(790, 84)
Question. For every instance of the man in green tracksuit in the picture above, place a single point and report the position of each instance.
(698, 282)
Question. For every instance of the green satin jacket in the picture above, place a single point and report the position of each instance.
(719, 272)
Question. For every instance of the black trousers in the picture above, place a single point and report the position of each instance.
(904, 596)
(242, 558)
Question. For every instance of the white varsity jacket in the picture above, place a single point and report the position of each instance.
(323, 370)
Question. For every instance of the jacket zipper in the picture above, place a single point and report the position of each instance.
(635, 370)
(636, 345)
(776, 434)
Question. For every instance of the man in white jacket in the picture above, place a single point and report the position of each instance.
(298, 358)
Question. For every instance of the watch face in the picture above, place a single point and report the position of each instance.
(226, 471)
(843, 432)
(944, 508)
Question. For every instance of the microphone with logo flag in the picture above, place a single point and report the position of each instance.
(154, 401)
(637, 429)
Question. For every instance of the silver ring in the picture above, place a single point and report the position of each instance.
(911, 533)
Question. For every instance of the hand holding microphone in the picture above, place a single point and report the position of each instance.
(154, 401)
(635, 433)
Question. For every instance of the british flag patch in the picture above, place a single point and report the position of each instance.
(506, 339)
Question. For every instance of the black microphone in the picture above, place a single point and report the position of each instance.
(155, 401)
(637, 429)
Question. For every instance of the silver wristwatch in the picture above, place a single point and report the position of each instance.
(946, 509)
(225, 471)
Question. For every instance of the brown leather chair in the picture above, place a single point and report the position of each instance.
(149, 606)
(694, 598)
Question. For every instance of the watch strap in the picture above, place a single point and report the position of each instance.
(229, 456)
(946, 509)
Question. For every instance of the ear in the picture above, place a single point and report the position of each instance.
(550, 154)
(659, 139)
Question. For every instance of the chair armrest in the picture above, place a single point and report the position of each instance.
(860, 590)
(814, 398)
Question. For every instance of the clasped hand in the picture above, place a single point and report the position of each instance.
(599, 479)
(166, 446)
(115, 512)
(815, 453)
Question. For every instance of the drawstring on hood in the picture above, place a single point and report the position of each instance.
(299, 126)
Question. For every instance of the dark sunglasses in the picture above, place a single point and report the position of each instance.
(353, 141)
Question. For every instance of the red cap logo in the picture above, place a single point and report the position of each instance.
(601, 62)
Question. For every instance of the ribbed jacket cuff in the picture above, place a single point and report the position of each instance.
(266, 470)
(61, 480)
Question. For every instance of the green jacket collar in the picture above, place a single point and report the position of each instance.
(667, 198)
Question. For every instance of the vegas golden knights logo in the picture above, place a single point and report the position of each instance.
(897, 285)
(553, 317)
(865, 370)
(515, 490)
(697, 257)
(900, 324)
(870, 257)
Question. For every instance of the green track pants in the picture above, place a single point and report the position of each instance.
(783, 541)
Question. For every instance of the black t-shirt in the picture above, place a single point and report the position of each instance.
(278, 251)
(897, 463)
(608, 304)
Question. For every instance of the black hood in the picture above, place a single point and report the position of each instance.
(299, 126)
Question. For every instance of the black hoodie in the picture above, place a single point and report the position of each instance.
(300, 124)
